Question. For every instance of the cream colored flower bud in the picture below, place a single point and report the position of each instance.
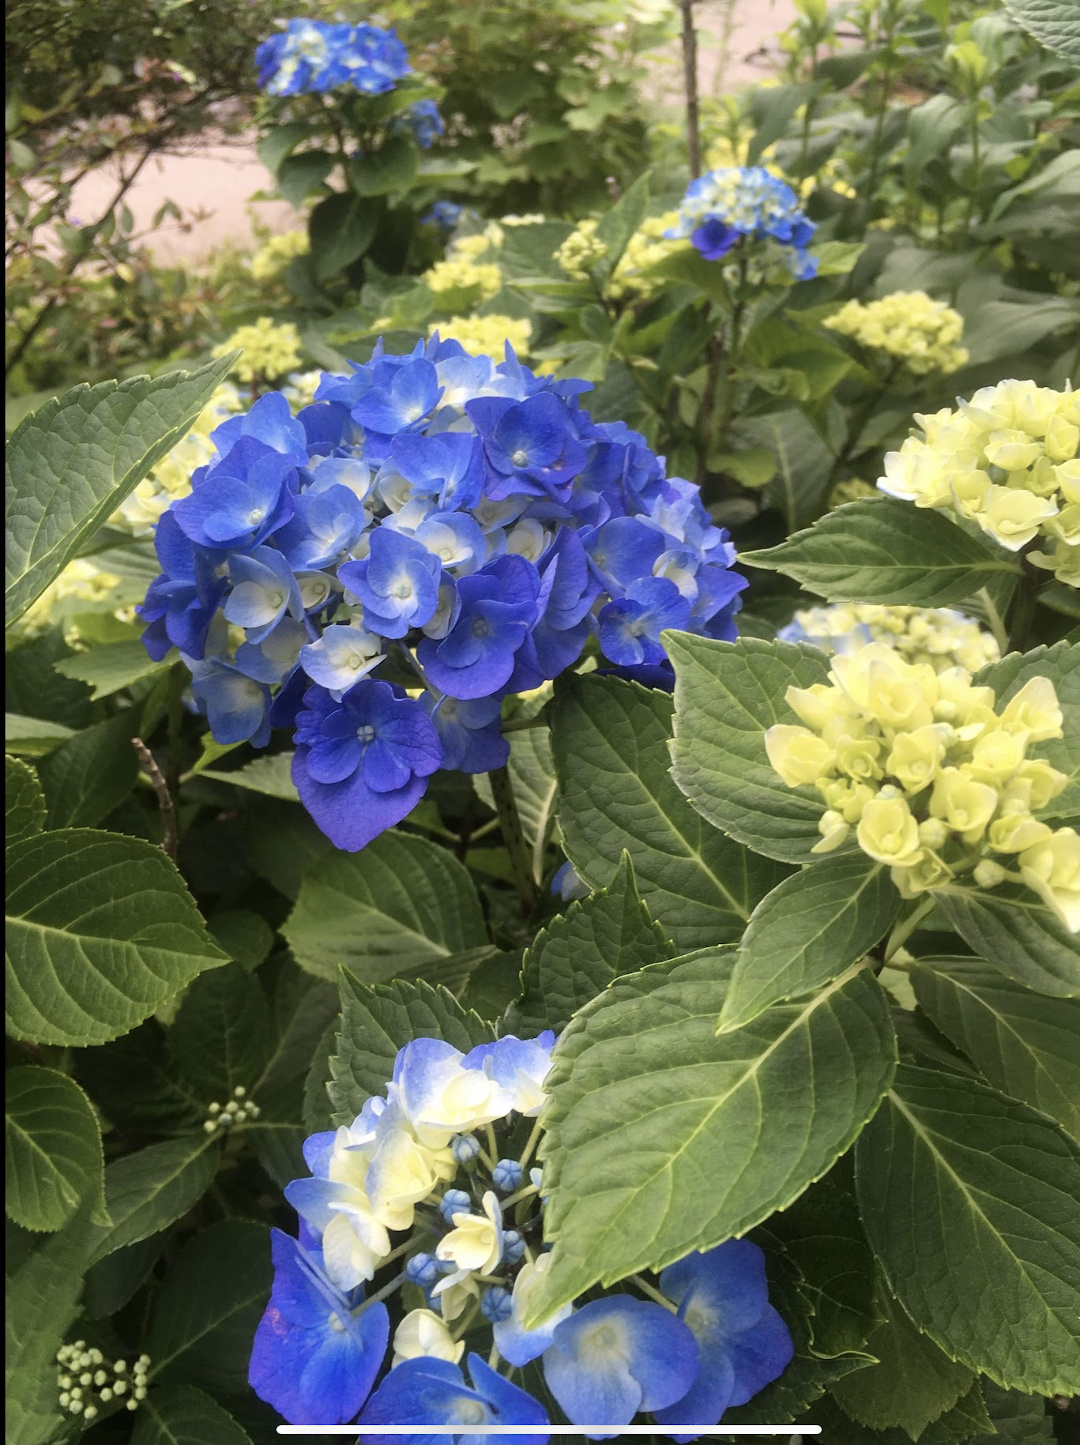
(888, 832)
(1052, 870)
(988, 874)
(1034, 711)
(965, 805)
(797, 754)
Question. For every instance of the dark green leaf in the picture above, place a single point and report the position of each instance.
(644, 1100)
(301, 176)
(53, 1154)
(33, 689)
(221, 1037)
(726, 695)
(817, 923)
(90, 775)
(952, 1172)
(1052, 22)
(24, 802)
(399, 903)
(147, 1191)
(340, 228)
(269, 775)
(1017, 934)
(392, 168)
(244, 936)
(183, 1415)
(101, 931)
(881, 550)
(112, 1282)
(112, 666)
(131, 1083)
(618, 224)
(611, 741)
(378, 1020)
(1061, 664)
(577, 956)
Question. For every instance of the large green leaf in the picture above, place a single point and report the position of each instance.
(803, 463)
(1052, 22)
(1061, 664)
(1023, 1042)
(24, 802)
(162, 1104)
(269, 775)
(913, 1383)
(33, 689)
(390, 169)
(52, 1147)
(75, 459)
(42, 1301)
(208, 1307)
(726, 695)
(968, 1202)
(340, 229)
(31, 737)
(91, 774)
(183, 1415)
(662, 1137)
(577, 956)
(611, 741)
(147, 1191)
(113, 665)
(220, 1039)
(1016, 933)
(882, 550)
(101, 931)
(377, 1020)
(619, 223)
(399, 904)
(532, 778)
(812, 927)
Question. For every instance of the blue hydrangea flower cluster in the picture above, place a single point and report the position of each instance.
(423, 122)
(443, 1158)
(464, 522)
(444, 214)
(723, 206)
(312, 55)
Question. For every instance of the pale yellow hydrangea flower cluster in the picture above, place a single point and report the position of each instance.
(581, 250)
(273, 257)
(938, 636)
(486, 335)
(932, 779)
(470, 273)
(82, 579)
(271, 349)
(908, 325)
(1006, 460)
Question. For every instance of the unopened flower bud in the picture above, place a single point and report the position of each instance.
(454, 1201)
(495, 1304)
(423, 1270)
(465, 1147)
(506, 1176)
(933, 833)
(513, 1246)
(239, 1092)
(214, 1109)
(988, 874)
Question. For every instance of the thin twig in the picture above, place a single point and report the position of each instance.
(164, 797)
(690, 84)
(502, 792)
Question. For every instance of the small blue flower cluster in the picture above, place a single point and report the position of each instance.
(312, 55)
(423, 122)
(444, 214)
(722, 206)
(706, 1340)
(463, 520)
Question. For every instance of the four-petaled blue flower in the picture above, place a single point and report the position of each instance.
(427, 1391)
(398, 583)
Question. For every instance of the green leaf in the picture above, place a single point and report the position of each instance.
(726, 695)
(284, 843)
(24, 802)
(34, 689)
(577, 956)
(32, 737)
(532, 778)
(52, 1149)
(644, 1098)
(221, 1039)
(101, 931)
(772, 109)
(183, 1415)
(822, 1234)
(400, 903)
(208, 1307)
(811, 928)
(393, 168)
(147, 1191)
(1016, 934)
(611, 741)
(303, 1008)
(952, 1172)
(112, 666)
(279, 142)
(1019, 1419)
(42, 1301)
(1052, 22)
(881, 550)
(340, 229)
(302, 175)
(618, 224)
(1022, 1042)
(913, 1384)
(1061, 664)
(160, 1104)
(802, 461)
(114, 1280)
(74, 460)
(91, 774)
(245, 936)
(316, 1110)
(378, 1020)
(271, 776)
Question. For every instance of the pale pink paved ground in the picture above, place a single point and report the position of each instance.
(221, 180)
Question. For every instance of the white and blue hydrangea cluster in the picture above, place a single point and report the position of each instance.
(723, 206)
(464, 522)
(443, 1158)
(313, 55)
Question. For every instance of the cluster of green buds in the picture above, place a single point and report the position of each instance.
(86, 1382)
(581, 250)
(239, 1110)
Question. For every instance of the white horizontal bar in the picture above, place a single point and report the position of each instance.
(358, 1430)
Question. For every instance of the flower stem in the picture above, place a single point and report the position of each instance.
(654, 1294)
(502, 791)
(903, 931)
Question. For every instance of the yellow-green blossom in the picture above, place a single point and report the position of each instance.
(82, 580)
(458, 282)
(271, 349)
(1006, 459)
(931, 774)
(171, 478)
(909, 325)
(646, 248)
(487, 335)
(581, 250)
(275, 254)
(935, 635)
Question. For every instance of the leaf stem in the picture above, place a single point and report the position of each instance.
(903, 930)
(502, 791)
(654, 1294)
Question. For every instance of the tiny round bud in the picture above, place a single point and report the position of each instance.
(210, 1126)
(64, 1382)
(423, 1270)
(100, 1377)
(513, 1246)
(65, 1400)
(232, 1107)
(495, 1304)
(86, 1378)
(96, 1357)
(76, 1407)
(120, 1366)
(214, 1109)
(89, 1412)
(239, 1092)
(79, 1345)
(106, 1395)
(454, 1201)
(988, 874)
(506, 1176)
(140, 1393)
(254, 1111)
(933, 833)
(133, 1404)
(465, 1147)
(142, 1361)
(119, 1387)
(76, 1394)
